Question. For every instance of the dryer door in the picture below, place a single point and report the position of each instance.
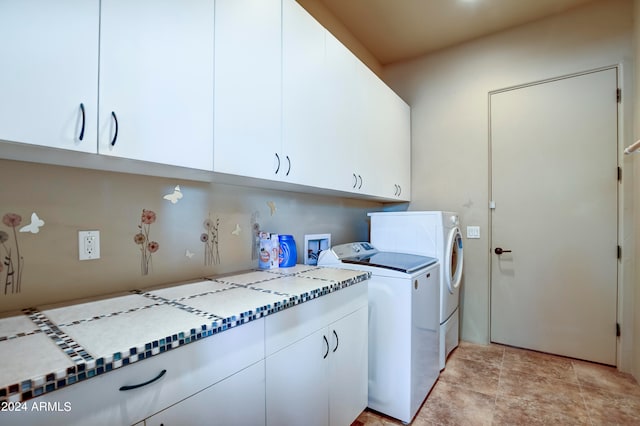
(453, 263)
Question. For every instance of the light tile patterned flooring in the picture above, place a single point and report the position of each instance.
(501, 385)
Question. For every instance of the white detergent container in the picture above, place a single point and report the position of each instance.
(435, 234)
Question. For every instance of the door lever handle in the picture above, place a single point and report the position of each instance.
(499, 250)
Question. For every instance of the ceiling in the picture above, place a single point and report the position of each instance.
(395, 30)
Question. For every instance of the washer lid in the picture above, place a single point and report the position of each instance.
(402, 262)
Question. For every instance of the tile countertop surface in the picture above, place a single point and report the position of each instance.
(49, 347)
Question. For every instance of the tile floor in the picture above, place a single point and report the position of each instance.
(501, 385)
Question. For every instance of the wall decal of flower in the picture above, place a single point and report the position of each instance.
(210, 240)
(147, 246)
(255, 229)
(15, 265)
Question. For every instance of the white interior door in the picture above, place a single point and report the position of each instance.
(554, 184)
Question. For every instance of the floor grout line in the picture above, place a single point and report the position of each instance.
(443, 411)
(582, 394)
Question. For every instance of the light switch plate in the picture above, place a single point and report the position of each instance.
(88, 245)
(473, 232)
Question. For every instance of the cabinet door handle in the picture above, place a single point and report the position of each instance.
(326, 342)
(130, 387)
(355, 181)
(360, 186)
(115, 135)
(399, 190)
(83, 121)
(289, 168)
(278, 166)
(337, 341)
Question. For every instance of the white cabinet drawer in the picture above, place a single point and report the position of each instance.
(295, 323)
(236, 401)
(189, 369)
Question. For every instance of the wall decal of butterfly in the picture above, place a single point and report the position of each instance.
(34, 226)
(175, 196)
(272, 207)
(237, 230)
(189, 254)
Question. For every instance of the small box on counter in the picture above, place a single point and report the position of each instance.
(269, 251)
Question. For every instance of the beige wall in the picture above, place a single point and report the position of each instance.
(72, 199)
(635, 160)
(448, 92)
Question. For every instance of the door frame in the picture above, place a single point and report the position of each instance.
(625, 236)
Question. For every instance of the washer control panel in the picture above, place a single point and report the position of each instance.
(348, 250)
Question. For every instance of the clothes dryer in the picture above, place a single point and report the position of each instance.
(435, 234)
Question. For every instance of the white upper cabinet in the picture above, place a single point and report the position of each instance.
(156, 81)
(370, 126)
(344, 135)
(395, 181)
(387, 140)
(245, 88)
(248, 88)
(304, 98)
(49, 72)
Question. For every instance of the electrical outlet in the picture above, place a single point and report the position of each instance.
(89, 245)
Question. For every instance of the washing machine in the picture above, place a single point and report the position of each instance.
(404, 324)
(435, 234)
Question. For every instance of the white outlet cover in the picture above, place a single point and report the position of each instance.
(88, 245)
(473, 232)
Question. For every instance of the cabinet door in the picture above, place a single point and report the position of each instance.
(297, 384)
(237, 400)
(390, 136)
(306, 149)
(156, 81)
(49, 68)
(344, 135)
(248, 88)
(384, 135)
(348, 367)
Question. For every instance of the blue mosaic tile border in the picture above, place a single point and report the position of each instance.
(17, 335)
(87, 367)
(111, 314)
(223, 281)
(69, 346)
(288, 272)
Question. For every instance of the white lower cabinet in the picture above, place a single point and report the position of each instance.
(235, 401)
(348, 367)
(188, 370)
(305, 365)
(321, 378)
(297, 385)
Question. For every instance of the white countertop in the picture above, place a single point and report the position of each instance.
(52, 346)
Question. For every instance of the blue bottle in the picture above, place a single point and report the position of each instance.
(288, 253)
